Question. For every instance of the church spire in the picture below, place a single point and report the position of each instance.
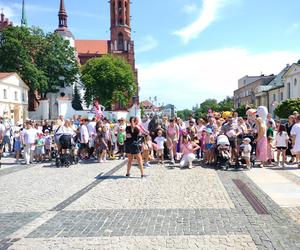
(62, 15)
(24, 18)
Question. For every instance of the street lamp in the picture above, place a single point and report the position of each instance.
(134, 100)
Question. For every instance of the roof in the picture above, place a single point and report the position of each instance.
(91, 46)
(147, 103)
(5, 74)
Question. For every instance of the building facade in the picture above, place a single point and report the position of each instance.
(13, 97)
(270, 91)
(245, 94)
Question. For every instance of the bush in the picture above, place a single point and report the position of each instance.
(287, 108)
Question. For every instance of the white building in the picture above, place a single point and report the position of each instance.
(13, 97)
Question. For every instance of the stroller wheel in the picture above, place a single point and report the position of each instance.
(57, 162)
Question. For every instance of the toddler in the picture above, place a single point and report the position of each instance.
(160, 140)
(246, 151)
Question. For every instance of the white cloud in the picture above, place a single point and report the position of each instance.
(190, 8)
(146, 44)
(190, 79)
(208, 14)
(293, 28)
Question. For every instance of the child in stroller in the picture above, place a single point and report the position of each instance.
(223, 152)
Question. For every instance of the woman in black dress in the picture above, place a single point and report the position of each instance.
(133, 145)
(289, 125)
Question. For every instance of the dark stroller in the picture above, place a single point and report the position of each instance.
(223, 152)
(65, 156)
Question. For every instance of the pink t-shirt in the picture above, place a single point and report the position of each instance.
(187, 148)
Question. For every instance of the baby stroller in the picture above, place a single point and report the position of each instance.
(65, 157)
(223, 152)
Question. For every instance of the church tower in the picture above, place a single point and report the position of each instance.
(63, 24)
(120, 35)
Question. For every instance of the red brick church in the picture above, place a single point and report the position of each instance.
(120, 42)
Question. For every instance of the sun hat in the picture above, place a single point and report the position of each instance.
(247, 139)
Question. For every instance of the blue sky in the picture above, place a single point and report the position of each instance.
(187, 50)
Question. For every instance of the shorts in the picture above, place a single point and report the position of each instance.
(6, 140)
(65, 141)
(84, 145)
(208, 146)
(281, 148)
(233, 143)
(39, 150)
(160, 152)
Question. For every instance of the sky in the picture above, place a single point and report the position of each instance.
(187, 50)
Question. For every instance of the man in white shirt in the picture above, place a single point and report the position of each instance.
(91, 126)
(29, 137)
(84, 139)
(295, 133)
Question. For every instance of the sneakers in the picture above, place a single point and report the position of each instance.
(147, 164)
(190, 166)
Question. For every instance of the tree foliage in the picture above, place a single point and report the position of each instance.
(108, 79)
(184, 114)
(287, 108)
(40, 59)
(76, 101)
(215, 106)
(241, 110)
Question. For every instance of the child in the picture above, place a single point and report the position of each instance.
(270, 151)
(121, 136)
(147, 150)
(160, 140)
(282, 140)
(188, 150)
(246, 151)
(17, 145)
(101, 144)
(39, 150)
(209, 145)
(48, 142)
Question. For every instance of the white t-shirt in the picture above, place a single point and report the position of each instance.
(281, 139)
(30, 136)
(160, 140)
(91, 128)
(296, 132)
(84, 134)
(247, 150)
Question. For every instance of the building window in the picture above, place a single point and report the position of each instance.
(120, 42)
(4, 94)
(281, 96)
(289, 90)
(274, 98)
(23, 97)
(295, 82)
(16, 96)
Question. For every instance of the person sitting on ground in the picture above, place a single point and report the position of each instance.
(188, 149)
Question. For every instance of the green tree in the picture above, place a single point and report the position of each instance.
(76, 101)
(38, 58)
(241, 110)
(184, 114)
(108, 79)
(287, 108)
(226, 105)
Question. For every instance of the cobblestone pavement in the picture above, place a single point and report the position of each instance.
(93, 206)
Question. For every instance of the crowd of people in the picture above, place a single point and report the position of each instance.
(156, 138)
